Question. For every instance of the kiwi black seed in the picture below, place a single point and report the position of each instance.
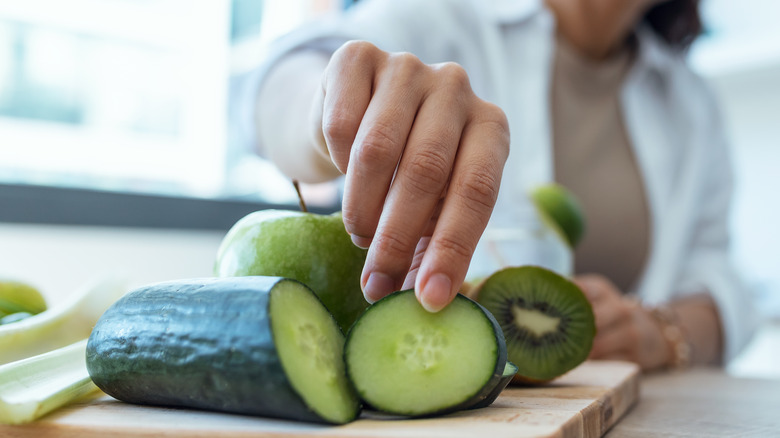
(547, 321)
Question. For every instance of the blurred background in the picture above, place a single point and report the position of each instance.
(136, 95)
(120, 140)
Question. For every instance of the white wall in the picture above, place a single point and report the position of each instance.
(750, 99)
(60, 259)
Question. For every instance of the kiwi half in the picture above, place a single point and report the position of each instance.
(547, 321)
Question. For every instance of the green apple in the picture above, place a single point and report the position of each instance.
(311, 248)
(561, 210)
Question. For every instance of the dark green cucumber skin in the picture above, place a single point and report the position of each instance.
(496, 391)
(482, 398)
(479, 397)
(201, 343)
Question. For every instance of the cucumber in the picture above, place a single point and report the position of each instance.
(404, 360)
(262, 346)
(510, 370)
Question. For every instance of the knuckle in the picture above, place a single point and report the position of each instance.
(356, 50)
(350, 218)
(394, 244)
(447, 244)
(404, 69)
(339, 128)
(378, 147)
(479, 189)
(493, 119)
(350, 224)
(454, 77)
(494, 114)
(406, 62)
(356, 222)
(428, 171)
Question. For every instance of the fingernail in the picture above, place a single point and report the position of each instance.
(436, 293)
(360, 241)
(377, 286)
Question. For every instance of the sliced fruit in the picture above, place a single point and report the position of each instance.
(404, 360)
(547, 321)
(561, 210)
(254, 345)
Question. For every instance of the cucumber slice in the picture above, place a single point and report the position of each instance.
(310, 346)
(509, 372)
(256, 345)
(404, 360)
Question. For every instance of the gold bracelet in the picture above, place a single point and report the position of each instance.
(673, 334)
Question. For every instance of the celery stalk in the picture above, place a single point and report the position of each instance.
(62, 324)
(33, 387)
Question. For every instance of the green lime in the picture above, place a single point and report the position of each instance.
(560, 209)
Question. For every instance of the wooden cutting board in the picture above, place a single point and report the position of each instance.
(583, 403)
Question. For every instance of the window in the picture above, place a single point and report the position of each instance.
(738, 36)
(135, 95)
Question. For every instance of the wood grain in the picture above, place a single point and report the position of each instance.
(703, 402)
(584, 403)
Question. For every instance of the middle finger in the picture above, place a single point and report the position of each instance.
(417, 188)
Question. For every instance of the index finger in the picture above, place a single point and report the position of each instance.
(468, 203)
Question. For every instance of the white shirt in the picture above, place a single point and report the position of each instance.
(507, 47)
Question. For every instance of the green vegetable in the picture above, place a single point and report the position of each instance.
(17, 297)
(35, 386)
(510, 370)
(14, 317)
(249, 345)
(311, 248)
(60, 325)
(404, 360)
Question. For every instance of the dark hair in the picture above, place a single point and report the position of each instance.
(677, 22)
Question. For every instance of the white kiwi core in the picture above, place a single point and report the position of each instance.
(535, 321)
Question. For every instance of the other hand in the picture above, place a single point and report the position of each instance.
(624, 330)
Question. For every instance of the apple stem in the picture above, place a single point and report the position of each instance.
(301, 202)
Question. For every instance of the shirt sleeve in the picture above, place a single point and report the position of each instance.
(433, 30)
(709, 266)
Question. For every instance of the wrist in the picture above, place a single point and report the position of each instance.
(678, 348)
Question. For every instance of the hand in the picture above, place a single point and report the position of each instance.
(624, 330)
(423, 158)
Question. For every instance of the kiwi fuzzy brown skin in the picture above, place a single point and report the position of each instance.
(531, 291)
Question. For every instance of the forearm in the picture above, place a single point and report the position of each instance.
(286, 131)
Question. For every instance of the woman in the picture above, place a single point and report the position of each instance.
(414, 102)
